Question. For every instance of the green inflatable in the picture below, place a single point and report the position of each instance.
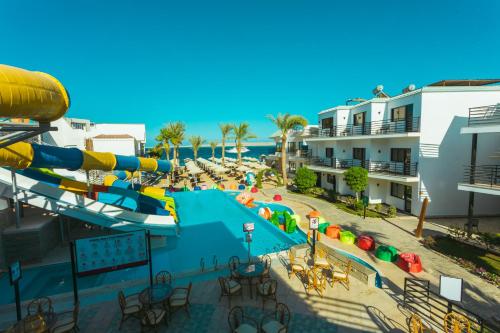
(322, 227)
(347, 237)
(285, 218)
(386, 253)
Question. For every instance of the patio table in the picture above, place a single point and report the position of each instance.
(36, 323)
(156, 294)
(250, 271)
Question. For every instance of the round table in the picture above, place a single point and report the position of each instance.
(36, 323)
(156, 294)
(250, 271)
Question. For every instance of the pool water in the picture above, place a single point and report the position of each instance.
(211, 231)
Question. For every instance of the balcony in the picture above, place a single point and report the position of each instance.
(483, 119)
(373, 167)
(482, 179)
(380, 127)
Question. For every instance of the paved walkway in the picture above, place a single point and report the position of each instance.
(480, 296)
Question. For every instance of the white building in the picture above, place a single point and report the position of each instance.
(122, 139)
(297, 149)
(482, 175)
(410, 144)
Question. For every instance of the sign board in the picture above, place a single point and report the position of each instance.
(450, 288)
(109, 253)
(14, 272)
(365, 200)
(314, 223)
(248, 227)
(249, 238)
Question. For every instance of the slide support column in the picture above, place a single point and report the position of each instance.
(15, 198)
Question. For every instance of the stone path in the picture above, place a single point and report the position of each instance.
(480, 296)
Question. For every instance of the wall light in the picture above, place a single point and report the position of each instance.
(379, 151)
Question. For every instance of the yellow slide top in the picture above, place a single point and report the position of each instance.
(33, 95)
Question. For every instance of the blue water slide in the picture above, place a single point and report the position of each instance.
(56, 157)
(164, 166)
(129, 163)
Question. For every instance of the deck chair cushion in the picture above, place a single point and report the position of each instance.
(272, 326)
(246, 328)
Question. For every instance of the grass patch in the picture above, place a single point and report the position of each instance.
(480, 257)
(369, 213)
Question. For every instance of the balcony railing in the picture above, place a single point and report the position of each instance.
(484, 175)
(484, 115)
(381, 167)
(373, 128)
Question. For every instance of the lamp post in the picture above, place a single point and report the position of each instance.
(248, 228)
(313, 225)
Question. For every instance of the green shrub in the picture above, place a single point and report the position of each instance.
(429, 242)
(357, 179)
(358, 205)
(332, 195)
(378, 207)
(305, 179)
(391, 212)
(316, 191)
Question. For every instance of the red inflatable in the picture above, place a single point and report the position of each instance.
(277, 197)
(254, 190)
(410, 262)
(366, 243)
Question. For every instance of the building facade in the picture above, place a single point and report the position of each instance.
(411, 144)
(122, 139)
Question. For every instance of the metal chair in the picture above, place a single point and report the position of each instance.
(67, 321)
(229, 288)
(40, 306)
(456, 323)
(152, 318)
(239, 322)
(163, 277)
(267, 290)
(276, 322)
(233, 264)
(129, 306)
(180, 298)
(266, 261)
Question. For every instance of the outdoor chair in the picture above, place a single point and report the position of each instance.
(233, 264)
(67, 321)
(316, 280)
(456, 323)
(343, 276)
(180, 298)
(320, 259)
(266, 260)
(415, 324)
(241, 323)
(40, 306)
(295, 268)
(276, 322)
(163, 277)
(229, 288)
(129, 306)
(152, 318)
(267, 290)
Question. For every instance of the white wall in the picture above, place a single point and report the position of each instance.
(444, 151)
(116, 146)
(65, 136)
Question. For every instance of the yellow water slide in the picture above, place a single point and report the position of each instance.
(34, 95)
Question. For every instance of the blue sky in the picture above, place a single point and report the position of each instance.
(205, 62)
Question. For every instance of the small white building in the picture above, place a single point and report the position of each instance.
(122, 139)
(410, 144)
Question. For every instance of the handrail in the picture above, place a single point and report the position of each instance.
(484, 115)
(486, 175)
(376, 127)
(202, 264)
(381, 167)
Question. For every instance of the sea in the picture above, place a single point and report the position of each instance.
(206, 152)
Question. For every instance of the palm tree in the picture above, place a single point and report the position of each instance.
(285, 123)
(241, 133)
(164, 139)
(196, 142)
(178, 128)
(156, 151)
(225, 130)
(213, 145)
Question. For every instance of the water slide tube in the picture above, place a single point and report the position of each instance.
(154, 192)
(22, 155)
(116, 196)
(34, 95)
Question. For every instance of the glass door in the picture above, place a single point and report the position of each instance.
(407, 199)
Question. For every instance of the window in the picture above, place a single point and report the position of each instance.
(278, 146)
(401, 112)
(292, 166)
(330, 179)
(359, 118)
(327, 123)
(358, 153)
(328, 152)
(400, 154)
(79, 126)
(397, 190)
(292, 147)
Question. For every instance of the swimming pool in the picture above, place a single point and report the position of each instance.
(210, 232)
